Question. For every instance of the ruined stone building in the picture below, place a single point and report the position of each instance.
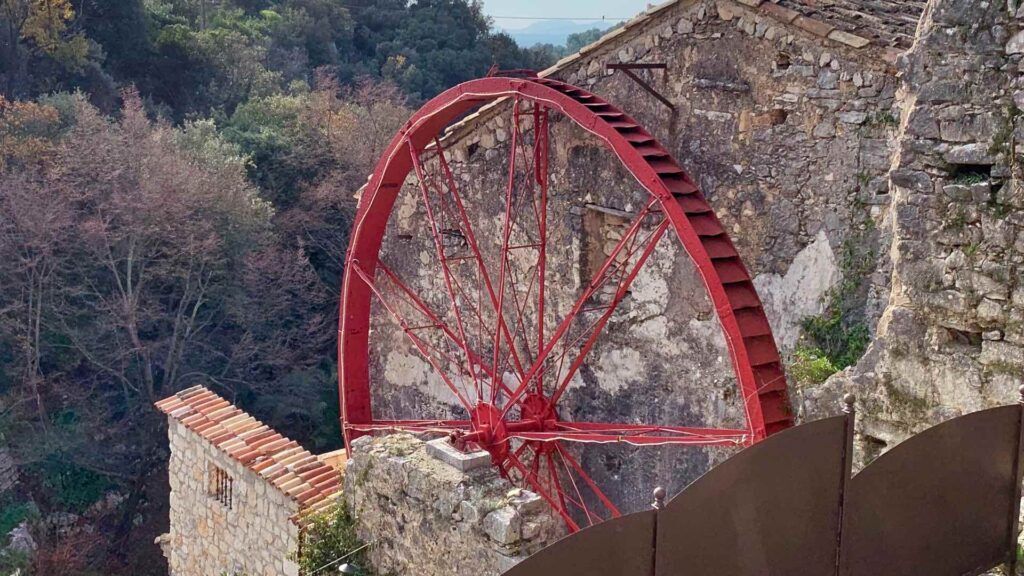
(242, 497)
(240, 492)
(863, 157)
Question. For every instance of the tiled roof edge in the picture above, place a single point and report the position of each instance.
(289, 468)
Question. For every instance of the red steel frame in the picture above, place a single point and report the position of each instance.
(519, 424)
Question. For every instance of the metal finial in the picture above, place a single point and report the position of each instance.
(659, 498)
(849, 403)
(347, 568)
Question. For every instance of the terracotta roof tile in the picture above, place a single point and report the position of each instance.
(310, 481)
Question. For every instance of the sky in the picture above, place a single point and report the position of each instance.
(583, 10)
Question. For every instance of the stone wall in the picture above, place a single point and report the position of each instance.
(255, 536)
(423, 516)
(951, 339)
(789, 133)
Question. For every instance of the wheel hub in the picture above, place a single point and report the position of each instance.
(493, 433)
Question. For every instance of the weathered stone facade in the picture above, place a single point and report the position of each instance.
(788, 123)
(241, 493)
(951, 339)
(421, 515)
(254, 536)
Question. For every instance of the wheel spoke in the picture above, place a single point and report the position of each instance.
(579, 495)
(422, 307)
(620, 293)
(439, 246)
(474, 246)
(543, 492)
(506, 234)
(567, 457)
(646, 436)
(601, 277)
(418, 342)
(540, 163)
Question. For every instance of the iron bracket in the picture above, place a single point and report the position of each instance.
(628, 70)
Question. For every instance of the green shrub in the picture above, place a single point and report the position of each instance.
(811, 366)
(72, 487)
(838, 337)
(840, 343)
(329, 537)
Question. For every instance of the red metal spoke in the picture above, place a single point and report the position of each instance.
(599, 279)
(619, 295)
(640, 429)
(424, 309)
(567, 457)
(543, 493)
(553, 475)
(439, 246)
(467, 229)
(420, 345)
(417, 426)
(582, 503)
(506, 233)
(618, 267)
(540, 131)
(520, 323)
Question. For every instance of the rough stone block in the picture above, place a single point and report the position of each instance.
(853, 117)
(443, 450)
(816, 27)
(727, 10)
(969, 154)
(503, 525)
(526, 502)
(780, 13)
(848, 39)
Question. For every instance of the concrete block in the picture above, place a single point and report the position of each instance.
(443, 450)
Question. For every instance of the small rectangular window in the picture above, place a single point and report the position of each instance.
(222, 486)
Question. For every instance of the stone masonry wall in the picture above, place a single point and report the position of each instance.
(255, 537)
(951, 340)
(789, 134)
(422, 516)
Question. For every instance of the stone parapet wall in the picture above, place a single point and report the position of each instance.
(423, 516)
(254, 537)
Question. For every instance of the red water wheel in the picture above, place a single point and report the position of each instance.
(477, 309)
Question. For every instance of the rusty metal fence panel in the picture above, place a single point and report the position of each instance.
(940, 503)
(620, 547)
(771, 509)
(943, 503)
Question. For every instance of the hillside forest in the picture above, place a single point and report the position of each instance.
(176, 184)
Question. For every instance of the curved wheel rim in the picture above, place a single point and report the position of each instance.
(528, 449)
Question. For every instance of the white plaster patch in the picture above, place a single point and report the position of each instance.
(403, 369)
(790, 299)
(618, 367)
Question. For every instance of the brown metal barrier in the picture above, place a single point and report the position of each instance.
(943, 503)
